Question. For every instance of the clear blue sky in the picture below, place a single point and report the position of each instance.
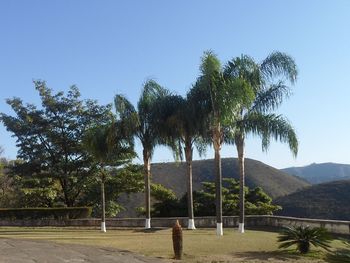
(110, 47)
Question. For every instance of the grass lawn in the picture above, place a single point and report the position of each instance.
(201, 245)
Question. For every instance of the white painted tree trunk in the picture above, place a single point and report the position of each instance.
(191, 225)
(219, 229)
(148, 223)
(241, 228)
(103, 227)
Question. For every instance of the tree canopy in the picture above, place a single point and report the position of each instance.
(49, 141)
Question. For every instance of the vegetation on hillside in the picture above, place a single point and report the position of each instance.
(168, 205)
(323, 201)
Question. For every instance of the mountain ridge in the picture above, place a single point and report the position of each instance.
(316, 173)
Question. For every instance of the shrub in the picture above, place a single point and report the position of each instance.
(303, 237)
(45, 213)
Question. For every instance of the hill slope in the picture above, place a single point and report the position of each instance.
(173, 175)
(321, 173)
(324, 201)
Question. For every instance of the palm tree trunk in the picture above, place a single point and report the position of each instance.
(147, 175)
(103, 203)
(188, 153)
(218, 181)
(240, 151)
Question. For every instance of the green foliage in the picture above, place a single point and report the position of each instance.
(108, 143)
(8, 187)
(159, 192)
(303, 237)
(258, 202)
(35, 192)
(49, 140)
(45, 213)
(147, 113)
(166, 202)
(128, 179)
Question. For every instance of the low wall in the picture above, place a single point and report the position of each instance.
(338, 227)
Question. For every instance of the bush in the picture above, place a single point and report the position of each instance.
(303, 237)
(45, 213)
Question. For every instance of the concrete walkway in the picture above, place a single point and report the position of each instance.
(25, 251)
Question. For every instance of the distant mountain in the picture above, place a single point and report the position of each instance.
(321, 173)
(173, 175)
(323, 201)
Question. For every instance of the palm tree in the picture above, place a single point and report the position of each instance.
(217, 98)
(181, 128)
(108, 146)
(255, 116)
(145, 128)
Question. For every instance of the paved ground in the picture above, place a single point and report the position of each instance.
(24, 251)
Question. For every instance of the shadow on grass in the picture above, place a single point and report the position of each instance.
(339, 256)
(265, 229)
(149, 230)
(266, 255)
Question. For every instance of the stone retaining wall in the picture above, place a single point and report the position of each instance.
(338, 227)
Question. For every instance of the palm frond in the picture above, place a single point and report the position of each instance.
(126, 115)
(271, 98)
(244, 68)
(147, 132)
(210, 64)
(124, 109)
(279, 64)
(270, 126)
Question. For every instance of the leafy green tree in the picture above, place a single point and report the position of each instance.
(50, 146)
(145, 121)
(168, 205)
(267, 80)
(217, 97)
(257, 203)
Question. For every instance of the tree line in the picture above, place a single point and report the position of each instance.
(68, 140)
